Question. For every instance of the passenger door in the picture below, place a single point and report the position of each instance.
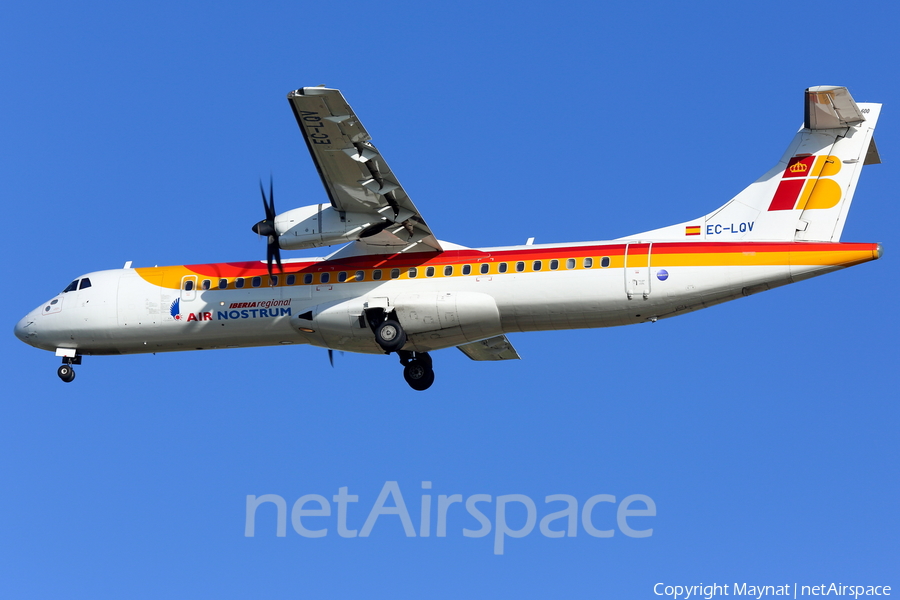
(637, 270)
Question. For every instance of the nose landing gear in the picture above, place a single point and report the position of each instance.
(417, 369)
(66, 372)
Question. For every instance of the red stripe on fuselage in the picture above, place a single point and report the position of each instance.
(455, 257)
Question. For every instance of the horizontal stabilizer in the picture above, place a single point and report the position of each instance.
(495, 348)
(830, 107)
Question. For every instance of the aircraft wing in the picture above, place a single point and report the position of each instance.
(495, 348)
(354, 173)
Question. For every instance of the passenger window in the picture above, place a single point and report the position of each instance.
(256, 281)
(342, 276)
(520, 266)
(604, 262)
(324, 277)
(204, 285)
(71, 287)
(485, 267)
(376, 274)
(273, 280)
(307, 279)
(448, 271)
(588, 262)
(467, 269)
(239, 282)
(395, 273)
(188, 285)
(429, 272)
(536, 265)
(223, 283)
(554, 264)
(85, 283)
(360, 275)
(570, 263)
(413, 272)
(291, 280)
(502, 267)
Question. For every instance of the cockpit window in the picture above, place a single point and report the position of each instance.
(71, 287)
(85, 283)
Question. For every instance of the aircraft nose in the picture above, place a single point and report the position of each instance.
(24, 329)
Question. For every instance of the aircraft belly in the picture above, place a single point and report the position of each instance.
(597, 298)
(574, 300)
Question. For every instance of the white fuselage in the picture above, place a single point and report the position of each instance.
(446, 303)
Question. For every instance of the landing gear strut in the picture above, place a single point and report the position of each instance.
(66, 372)
(417, 369)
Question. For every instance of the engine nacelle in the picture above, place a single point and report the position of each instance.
(322, 225)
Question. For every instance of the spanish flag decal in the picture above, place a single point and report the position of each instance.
(692, 230)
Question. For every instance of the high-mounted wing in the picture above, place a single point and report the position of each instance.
(354, 173)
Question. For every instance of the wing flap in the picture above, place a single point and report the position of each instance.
(495, 348)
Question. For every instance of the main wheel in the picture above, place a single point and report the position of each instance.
(66, 373)
(390, 336)
(418, 375)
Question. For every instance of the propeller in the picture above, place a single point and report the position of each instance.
(331, 356)
(266, 227)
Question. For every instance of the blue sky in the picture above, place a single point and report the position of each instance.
(764, 430)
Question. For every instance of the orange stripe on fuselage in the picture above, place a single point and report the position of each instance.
(663, 254)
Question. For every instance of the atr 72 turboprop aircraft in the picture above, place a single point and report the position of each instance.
(393, 287)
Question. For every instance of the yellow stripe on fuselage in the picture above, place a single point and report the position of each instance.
(662, 255)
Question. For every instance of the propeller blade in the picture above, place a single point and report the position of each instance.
(266, 227)
(331, 357)
(273, 251)
(262, 192)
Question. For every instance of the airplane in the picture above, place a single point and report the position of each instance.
(393, 287)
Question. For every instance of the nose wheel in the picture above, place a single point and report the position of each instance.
(66, 373)
(417, 369)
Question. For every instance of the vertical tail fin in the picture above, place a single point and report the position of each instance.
(807, 195)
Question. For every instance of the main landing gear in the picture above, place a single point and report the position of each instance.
(391, 337)
(417, 369)
(66, 372)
